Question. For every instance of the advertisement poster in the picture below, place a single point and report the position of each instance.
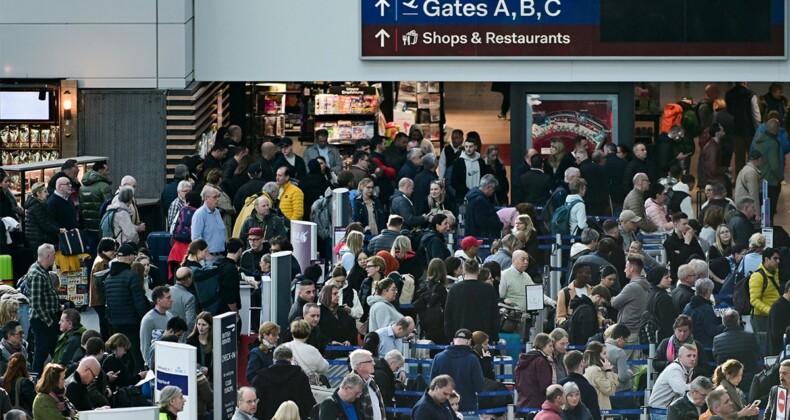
(176, 365)
(568, 116)
(304, 239)
(226, 340)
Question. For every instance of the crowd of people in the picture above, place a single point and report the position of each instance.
(402, 271)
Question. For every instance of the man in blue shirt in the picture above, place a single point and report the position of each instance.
(207, 222)
(344, 403)
(391, 337)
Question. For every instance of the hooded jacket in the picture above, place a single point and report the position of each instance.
(532, 376)
(460, 362)
(125, 299)
(382, 313)
(281, 382)
(271, 224)
(583, 325)
(549, 411)
(467, 171)
(481, 218)
(703, 319)
(762, 299)
(94, 191)
(771, 169)
(68, 343)
(433, 245)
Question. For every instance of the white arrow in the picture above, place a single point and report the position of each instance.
(382, 4)
(382, 35)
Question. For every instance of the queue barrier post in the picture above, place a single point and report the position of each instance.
(556, 261)
(511, 412)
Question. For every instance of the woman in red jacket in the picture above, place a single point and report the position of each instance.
(533, 374)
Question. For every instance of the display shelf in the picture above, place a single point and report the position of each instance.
(421, 104)
(24, 175)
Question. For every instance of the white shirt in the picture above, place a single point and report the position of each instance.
(374, 400)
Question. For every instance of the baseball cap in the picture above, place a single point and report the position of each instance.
(463, 333)
(254, 168)
(629, 216)
(127, 249)
(754, 154)
(256, 231)
(469, 242)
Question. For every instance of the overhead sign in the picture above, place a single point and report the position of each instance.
(573, 29)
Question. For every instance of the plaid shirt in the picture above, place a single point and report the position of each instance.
(44, 304)
(173, 213)
(366, 403)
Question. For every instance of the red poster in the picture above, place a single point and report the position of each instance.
(568, 116)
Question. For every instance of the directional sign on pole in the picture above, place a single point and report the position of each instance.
(573, 29)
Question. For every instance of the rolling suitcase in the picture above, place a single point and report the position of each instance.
(159, 245)
(6, 270)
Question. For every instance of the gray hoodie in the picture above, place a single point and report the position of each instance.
(382, 313)
(472, 170)
(631, 302)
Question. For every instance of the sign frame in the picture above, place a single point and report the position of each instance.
(225, 339)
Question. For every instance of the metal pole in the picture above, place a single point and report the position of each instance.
(651, 355)
(556, 262)
(340, 207)
(511, 412)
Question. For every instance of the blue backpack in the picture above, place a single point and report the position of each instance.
(182, 231)
(106, 225)
(560, 221)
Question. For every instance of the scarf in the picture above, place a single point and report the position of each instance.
(64, 406)
(10, 347)
(674, 345)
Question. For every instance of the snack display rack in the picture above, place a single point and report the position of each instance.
(24, 175)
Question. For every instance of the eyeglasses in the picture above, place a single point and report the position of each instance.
(95, 376)
(252, 401)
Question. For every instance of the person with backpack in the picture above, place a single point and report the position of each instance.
(764, 291)
(573, 210)
(579, 286)
(95, 190)
(433, 243)
(117, 222)
(585, 321)
(181, 232)
(175, 206)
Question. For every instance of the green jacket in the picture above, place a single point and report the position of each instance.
(68, 343)
(94, 191)
(44, 407)
(771, 169)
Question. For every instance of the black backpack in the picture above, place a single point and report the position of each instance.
(129, 396)
(741, 296)
(101, 278)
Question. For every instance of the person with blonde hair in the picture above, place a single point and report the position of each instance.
(354, 243)
(287, 411)
(261, 357)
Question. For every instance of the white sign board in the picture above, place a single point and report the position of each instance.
(176, 364)
(131, 413)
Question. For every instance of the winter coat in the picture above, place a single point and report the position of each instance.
(383, 241)
(433, 245)
(40, 227)
(760, 299)
(705, 325)
(292, 202)
(361, 213)
(403, 206)
(94, 191)
(678, 252)
(585, 324)
(481, 217)
(427, 409)
(747, 184)
(635, 201)
(432, 297)
(332, 409)
(382, 313)
(580, 412)
(596, 199)
(636, 166)
(472, 294)
(272, 226)
(659, 302)
(68, 343)
(63, 212)
(683, 409)
(385, 379)
(657, 214)
(588, 393)
(125, 299)
(281, 382)
(778, 321)
(258, 359)
(460, 362)
(735, 343)
(771, 169)
(548, 411)
(742, 228)
(604, 382)
(709, 167)
(532, 376)
(615, 167)
(422, 189)
(665, 356)
(537, 186)
(338, 328)
(124, 229)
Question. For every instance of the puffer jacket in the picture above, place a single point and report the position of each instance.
(271, 224)
(657, 214)
(292, 202)
(94, 191)
(760, 299)
(39, 226)
(123, 228)
(433, 245)
(125, 299)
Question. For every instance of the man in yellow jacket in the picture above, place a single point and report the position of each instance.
(764, 290)
(291, 197)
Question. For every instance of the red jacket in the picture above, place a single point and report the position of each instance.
(549, 411)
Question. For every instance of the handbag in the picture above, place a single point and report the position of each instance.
(511, 317)
(71, 242)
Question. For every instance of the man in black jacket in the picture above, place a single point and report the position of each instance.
(596, 200)
(691, 405)
(472, 293)
(741, 223)
(230, 293)
(575, 367)
(126, 302)
(784, 381)
(481, 216)
(683, 293)
(735, 343)
(535, 185)
(639, 164)
(681, 243)
(584, 321)
(346, 394)
(305, 294)
(77, 383)
(281, 382)
(778, 321)
(384, 375)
